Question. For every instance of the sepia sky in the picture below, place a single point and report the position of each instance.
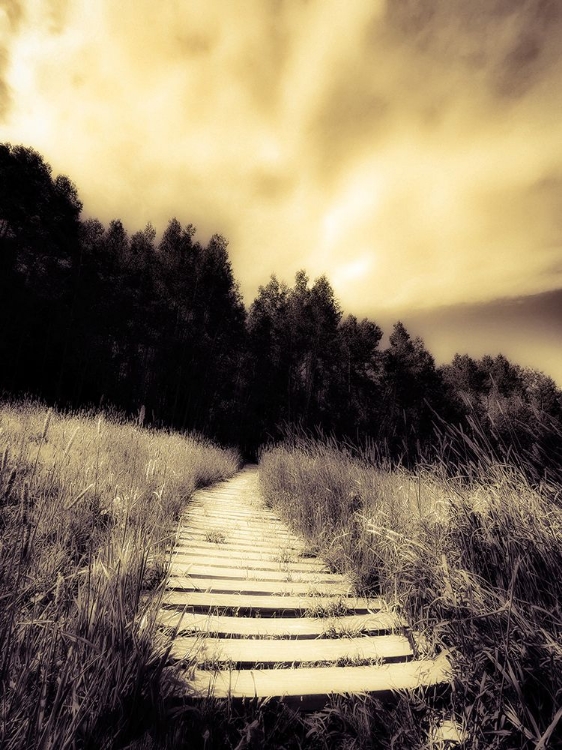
(409, 149)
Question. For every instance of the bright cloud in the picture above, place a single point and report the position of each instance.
(410, 150)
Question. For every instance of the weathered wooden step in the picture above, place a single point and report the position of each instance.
(178, 582)
(238, 551)
(232, 528)
(247, 559)
(233, 510)
(225, 540)
(310, 687)
(219, 537)
(206, 553)
(235, 552)
(270, 605)
(210, 510)
(226, 498)
(249, 535)
(283, 627)
(234, 507)
(227, 571)
(252, 530)
(254, 567)
(204, 511)
(235, 532)
(244, 652)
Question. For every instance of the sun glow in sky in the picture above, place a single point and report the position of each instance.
(411, 150)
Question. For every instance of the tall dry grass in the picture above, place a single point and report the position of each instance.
(87, 505)
(476, 565)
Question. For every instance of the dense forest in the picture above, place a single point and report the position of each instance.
(157, 328)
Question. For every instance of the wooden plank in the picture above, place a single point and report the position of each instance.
(213, 553)
(240, 524)
(222, 516)
(281, 627)
(243, 538)
(177, 581)
(265, 551)
(240, 495)
(236, 552)
(235, 511)
(223, 538)
(311, 686)
(268, 605)
(236, 499)
(231, 512)
(237, 532)
(229, 524)
(232, 540)
(232, 507)
(242, 651)
(225, 585)
(239, 551)
(227, 571)
(210, 511)
(246, 567)
(263, 548)
(234, 528)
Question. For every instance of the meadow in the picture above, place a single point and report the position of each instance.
(474, 561)
(88, 505)
(87, 510)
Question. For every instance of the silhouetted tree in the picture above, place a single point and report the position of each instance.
(358, 395)
(39, 226)
(294, 349)
(219, 318)
(411, 392)
(90, 314)
(314, 316)
(268, 373)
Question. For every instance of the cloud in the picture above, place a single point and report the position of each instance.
(409, 148)
(527, 330)
(10, 16)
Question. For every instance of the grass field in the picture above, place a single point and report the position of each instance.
(87, 510)
(88, 505)
(475, 564)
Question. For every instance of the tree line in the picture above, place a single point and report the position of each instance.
(93, 315)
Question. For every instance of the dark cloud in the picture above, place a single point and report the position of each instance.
(271, 186)
(58, 14)
(192, 44)
(351, 115)
(409, 149)
(5, 97)
(546, 193)
(14, 11)
(527, 330)
(512, 44)
(520, 68)
(11, 15)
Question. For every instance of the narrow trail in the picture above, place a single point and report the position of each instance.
(265, 619)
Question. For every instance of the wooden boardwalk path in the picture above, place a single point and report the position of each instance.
(263, 619)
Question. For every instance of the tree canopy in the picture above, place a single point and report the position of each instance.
(91, 314)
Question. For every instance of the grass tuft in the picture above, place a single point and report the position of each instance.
(474, 563)
(85, 509)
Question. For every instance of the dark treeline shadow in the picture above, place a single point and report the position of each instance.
(157, 328)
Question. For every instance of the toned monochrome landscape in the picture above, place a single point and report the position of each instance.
(336, 263)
